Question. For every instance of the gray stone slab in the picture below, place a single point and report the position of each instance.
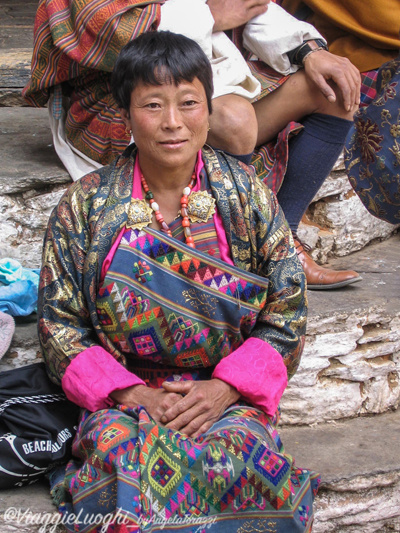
(15, 68)
(16, 44)
(27, 155)
(379, 266)
(17, 19)
(27, 509)
(35, 497)
(363, 447)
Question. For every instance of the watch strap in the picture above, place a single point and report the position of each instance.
(297, 55)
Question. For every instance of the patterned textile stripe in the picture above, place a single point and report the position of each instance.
(368, 86)
(235, 478)
(203, 234)
(204, 272)
(267, 76)
(214, 305)
(92, 119)
(270, 160)
(74, 36)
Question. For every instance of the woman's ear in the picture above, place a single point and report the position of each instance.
(125, 117)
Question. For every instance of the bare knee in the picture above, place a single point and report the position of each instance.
(233, 125)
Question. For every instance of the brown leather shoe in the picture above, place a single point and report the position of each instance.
(320, 278)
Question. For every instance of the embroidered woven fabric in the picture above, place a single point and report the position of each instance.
(236, 477)
(372, 155)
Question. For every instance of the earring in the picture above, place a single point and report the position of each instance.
(208, 129)
(128, 133)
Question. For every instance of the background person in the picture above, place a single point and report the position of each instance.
(367, 34)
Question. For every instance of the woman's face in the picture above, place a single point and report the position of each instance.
(169, 123)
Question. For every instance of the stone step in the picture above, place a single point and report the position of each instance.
(351, 360)
(32, 180)
(358, 460)
(336, 222)
(16, 42)
(359, 463)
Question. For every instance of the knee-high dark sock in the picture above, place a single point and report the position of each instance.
(312, 154)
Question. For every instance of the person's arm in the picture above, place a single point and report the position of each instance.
(255, 372)
(273, 350)
(191, 18)
(273, 35)
(93, 377)
(259, 369)
(322, 68)
(73, 354)
(282, 321)
(287, 44)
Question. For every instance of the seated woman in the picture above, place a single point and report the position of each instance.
(172, 309)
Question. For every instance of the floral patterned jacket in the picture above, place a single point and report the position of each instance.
(88, 219)
(372, 153)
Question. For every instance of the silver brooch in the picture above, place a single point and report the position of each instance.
(201, 206)
(140, 214)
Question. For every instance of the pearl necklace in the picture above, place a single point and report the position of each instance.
(184, 203)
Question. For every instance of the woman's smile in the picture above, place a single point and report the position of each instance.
(173, 144)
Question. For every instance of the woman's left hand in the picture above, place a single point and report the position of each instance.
(203, 404)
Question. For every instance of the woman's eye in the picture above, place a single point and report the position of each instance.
(153, 105)
(189, 102)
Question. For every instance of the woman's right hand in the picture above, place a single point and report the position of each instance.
(155, 401)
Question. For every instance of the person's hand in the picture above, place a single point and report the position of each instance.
(230, 14)
(322, 67)
(155, 401)
(203, 404)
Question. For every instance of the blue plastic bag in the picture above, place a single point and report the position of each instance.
(18, 288)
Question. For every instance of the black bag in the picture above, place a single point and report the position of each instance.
(37, 425)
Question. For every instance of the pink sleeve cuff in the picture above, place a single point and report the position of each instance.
(257, 371)
(93, 375)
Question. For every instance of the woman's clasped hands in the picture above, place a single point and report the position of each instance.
(190, 407)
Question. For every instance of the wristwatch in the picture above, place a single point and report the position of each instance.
(297, 56)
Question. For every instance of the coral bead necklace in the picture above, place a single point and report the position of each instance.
(149, 196)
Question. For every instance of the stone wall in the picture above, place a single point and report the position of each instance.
(337, 222)
(350, 366)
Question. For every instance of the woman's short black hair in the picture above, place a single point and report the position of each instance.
(142, 60)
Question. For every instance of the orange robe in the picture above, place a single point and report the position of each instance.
(365, 32)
